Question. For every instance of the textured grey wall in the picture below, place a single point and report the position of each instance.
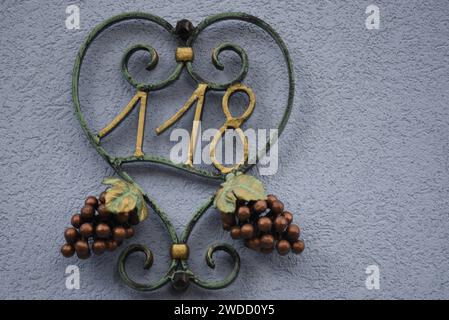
(363, 162)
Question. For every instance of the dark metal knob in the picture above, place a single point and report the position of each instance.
(180, 280)
(184, 29)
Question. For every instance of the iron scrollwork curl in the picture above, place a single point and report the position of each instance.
(179, 272)
(214, 285)
(216, 62)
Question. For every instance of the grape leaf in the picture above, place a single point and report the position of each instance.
(238, 187)
(124, 197)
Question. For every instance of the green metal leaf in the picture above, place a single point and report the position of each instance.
(124, 197)
(238, 187)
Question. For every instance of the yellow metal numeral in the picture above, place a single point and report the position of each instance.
(139, 96)
(234, 123)
(198, 95)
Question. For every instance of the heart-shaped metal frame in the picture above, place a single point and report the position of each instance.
(178, 272)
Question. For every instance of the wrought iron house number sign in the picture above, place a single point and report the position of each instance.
(247, 212)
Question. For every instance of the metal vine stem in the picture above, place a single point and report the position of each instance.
(178, 273)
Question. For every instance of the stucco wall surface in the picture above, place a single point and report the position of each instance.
(363, 162)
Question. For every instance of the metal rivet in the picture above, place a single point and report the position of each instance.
(179, 251)
(184, 54)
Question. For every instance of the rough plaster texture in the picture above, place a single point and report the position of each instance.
(363, 161)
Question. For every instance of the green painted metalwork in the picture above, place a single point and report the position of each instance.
(179, 272)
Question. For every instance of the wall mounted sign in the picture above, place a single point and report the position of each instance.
(244, 207)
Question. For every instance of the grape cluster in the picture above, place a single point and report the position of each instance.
(97, 230)
(264, 225)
